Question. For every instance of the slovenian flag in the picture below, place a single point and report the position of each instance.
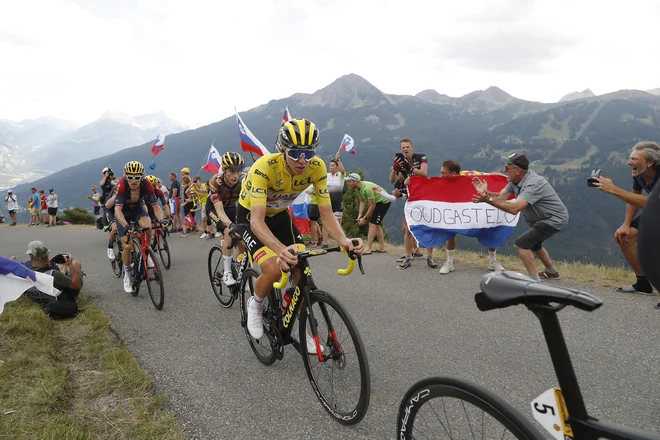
(158, 146)
(249, 142)
(348, 144)
(212, 161)
(299, 212)
(438, 208)
(287, 116)
(15, 279)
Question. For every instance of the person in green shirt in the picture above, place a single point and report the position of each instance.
(377, 207)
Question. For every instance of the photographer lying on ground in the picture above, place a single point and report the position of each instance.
(644, 161)
(67, 277)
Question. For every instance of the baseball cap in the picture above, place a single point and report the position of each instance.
(33, 189)
(354, 177)
(185, 170)
(37, 250)
(518, 159)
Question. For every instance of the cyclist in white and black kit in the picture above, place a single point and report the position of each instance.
(336, 190)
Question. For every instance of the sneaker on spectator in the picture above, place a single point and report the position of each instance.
(495, 266)
(405, 263)
(431, 262)
(217, 234)
(401, 258)
(446, 268)
(204, 235)
(545, 274)
(632, 289)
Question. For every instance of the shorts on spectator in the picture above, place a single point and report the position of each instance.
(12, 211)
(337, 206)
(533, 239)
(35, 211)
(97, 209)
(379, 213)
(44, 211)
(313, 212)
(52, 211)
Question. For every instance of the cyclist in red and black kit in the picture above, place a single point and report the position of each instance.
(133, 194)
(224, 189)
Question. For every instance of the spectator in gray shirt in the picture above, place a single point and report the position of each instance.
(543, 211)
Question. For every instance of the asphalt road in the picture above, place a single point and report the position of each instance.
(414, 323)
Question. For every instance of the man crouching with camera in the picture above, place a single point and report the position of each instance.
(645, 163)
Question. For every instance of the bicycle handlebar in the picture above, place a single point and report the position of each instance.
(353, 259)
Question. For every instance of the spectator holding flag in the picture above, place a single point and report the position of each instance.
(543, 210)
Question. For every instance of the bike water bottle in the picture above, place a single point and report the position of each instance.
(286, 299)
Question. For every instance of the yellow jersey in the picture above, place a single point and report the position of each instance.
(198, 195)
(270, 184)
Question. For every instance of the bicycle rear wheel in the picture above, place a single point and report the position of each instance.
(163, 248)
(154, 279)
(215, 265)
(446, 407)
(262, 348)
(341, 380)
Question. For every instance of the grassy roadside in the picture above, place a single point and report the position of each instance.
(73, 379)
(578, 272)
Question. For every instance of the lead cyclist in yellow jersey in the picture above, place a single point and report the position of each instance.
(273, 183)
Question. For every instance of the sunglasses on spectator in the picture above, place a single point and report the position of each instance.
(296, 154)
(138, 177)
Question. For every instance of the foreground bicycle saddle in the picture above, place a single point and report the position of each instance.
(508, 288)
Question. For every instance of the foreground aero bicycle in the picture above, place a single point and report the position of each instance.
(447, 407)
(141, 270)
(339, 362)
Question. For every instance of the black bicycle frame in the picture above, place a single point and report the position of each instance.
(301, 298)
(584, 427)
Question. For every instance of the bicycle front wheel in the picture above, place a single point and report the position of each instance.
(341, 380)
(446, 407)
(215, 265)
(154, 279)
(116, 263)
(164, 248)
(262, 348)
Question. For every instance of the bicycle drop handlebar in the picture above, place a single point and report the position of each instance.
(353, 259)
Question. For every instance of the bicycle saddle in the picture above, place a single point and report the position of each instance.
(508, 288)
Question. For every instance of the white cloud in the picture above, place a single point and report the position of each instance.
(196, 59)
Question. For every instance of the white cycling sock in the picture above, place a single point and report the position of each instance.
(257, 303)
(227, 262)
(450, 256)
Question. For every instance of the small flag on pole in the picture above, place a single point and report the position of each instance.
(287, 116)
(348, 144)
(158, 146)
(212, 161)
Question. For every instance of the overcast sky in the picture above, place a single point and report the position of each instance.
(196, 60)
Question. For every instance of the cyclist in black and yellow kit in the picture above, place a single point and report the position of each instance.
(272, 184)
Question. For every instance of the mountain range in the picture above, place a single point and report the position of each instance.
(563, 140)
(35, 148)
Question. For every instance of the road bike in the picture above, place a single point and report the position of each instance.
(338, 356)
(449, 407)
(142, 270)
(161, 245)
(225, 294)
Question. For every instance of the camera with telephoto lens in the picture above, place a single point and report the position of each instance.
(591, 181)
(59, 259)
